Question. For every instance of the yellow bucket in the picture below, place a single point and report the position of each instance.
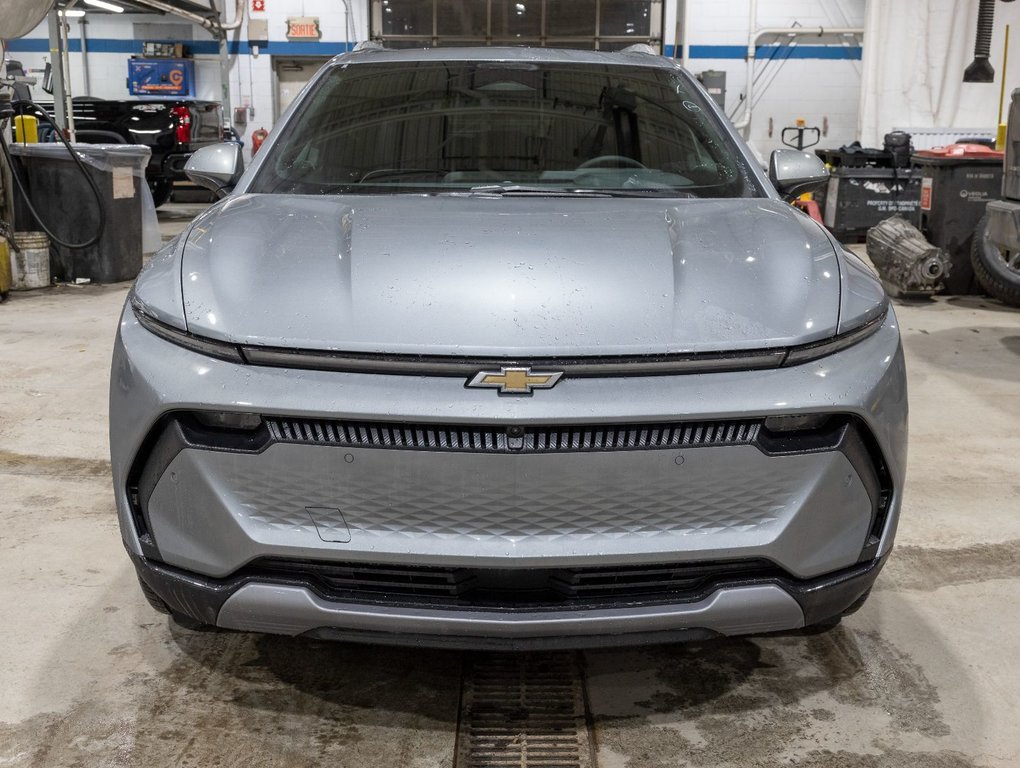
(5, 269)
(26, 129)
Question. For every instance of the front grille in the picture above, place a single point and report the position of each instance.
(511, 588)
(514, 439)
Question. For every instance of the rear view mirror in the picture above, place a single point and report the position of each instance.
(218, 167)
(793, 173)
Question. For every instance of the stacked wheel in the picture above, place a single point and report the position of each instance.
(996, 269)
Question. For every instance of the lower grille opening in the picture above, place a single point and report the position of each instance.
(526, 588)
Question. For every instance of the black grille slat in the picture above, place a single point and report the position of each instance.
(537, 439)
(525, 588)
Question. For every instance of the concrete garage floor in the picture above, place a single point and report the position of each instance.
(925, 675)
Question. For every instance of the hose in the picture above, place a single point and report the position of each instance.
(985, 24)
(20, 105)
(980, 70)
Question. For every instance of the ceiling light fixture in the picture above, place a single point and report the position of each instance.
(105, 6)
(73, 13)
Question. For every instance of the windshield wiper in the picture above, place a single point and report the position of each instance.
(538, 191)
(522, 190)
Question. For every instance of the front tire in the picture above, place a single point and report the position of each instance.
(997, 271)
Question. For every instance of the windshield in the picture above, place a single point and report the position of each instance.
(523, 128)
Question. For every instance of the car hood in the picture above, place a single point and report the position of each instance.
(508, 276)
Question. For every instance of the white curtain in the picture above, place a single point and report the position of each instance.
(915, 52)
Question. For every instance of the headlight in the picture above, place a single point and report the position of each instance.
(221, 350)
(809, 352)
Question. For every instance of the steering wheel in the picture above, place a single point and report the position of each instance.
(611, 161)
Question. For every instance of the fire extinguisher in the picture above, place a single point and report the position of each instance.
(257, 137)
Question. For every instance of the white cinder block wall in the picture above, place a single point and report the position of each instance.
(807, 84)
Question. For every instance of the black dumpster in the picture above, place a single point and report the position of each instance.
(957, 182)
(866, 186)
(65, 202)
(857, 199)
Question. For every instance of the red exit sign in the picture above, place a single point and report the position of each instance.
(303, 28)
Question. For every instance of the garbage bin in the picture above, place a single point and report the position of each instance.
(65, 202)
(867, 186)
(857, 199)
(957, 182)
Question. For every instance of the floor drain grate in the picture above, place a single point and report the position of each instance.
(523, 710)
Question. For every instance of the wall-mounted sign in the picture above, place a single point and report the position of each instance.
(161, 77)
(303, 28)
(258, 6)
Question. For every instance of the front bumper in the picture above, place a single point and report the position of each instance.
(291, 606)
(205, 514)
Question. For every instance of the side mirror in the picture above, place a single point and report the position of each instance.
(218, 167)
(793, 173)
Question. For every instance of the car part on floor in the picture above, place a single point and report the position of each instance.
(907, 263)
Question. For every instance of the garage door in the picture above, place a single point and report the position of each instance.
(601, 24)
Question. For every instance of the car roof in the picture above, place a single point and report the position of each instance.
(641, 56)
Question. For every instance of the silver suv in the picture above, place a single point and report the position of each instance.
(507, 347)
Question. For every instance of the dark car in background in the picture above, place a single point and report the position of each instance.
(173, 129)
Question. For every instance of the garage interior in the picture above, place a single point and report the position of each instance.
(922, 675)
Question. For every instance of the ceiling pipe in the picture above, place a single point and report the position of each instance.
(206, 22)
(752, 44)
(213, 24)
(238, 17)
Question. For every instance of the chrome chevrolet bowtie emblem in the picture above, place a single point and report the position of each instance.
(515, 381)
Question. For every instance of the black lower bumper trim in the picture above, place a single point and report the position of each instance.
(477, 643)
(198, 597)
(831, 596)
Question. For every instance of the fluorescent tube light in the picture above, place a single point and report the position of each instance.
(73, 13)
(105, 5)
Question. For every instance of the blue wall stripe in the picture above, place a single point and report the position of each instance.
(27, 45)
(104, 45)
(324, 48)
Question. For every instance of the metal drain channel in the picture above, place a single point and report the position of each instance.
(523, 711)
